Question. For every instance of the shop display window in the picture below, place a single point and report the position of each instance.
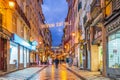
(27, 56)
(114, 50)
(13, 53)
(21, 54)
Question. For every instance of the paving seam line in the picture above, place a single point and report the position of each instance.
(78, 75)
(36, 73)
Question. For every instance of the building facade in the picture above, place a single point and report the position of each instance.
(69, 30)
(98, 36)
(112, 35)
(21, 34)
(16, 49)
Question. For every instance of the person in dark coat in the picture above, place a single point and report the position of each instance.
(56, 62)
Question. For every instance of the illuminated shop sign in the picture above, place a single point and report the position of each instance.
(23, 42)
(35, 43)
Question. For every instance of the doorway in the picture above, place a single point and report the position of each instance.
(3, 54)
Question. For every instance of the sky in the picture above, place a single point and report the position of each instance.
(55, 11)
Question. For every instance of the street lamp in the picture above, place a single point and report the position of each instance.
(73, 34)
(11, 3)
(40, 42)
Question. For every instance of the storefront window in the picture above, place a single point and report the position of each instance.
(27, 56)
(21, 54)
(114, 50)
(13, 53)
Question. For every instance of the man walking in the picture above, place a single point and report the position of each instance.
(70, 61)
(56, 62)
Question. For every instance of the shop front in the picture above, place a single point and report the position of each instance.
(114, 50)
(86, 51)
(113, 54)
(4, 45)
(19, 53)
(81, 57)
(13, 56)
(113, 45)
(3, 54)
(34, 54)
(77, 58)
(97, 50)
(32, 58)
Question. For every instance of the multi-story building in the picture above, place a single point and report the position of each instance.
(40, 36)
(69, 29)
(94, 40)
(96, 48)
(47, 43)
(112, 28)
(85, 22)
(21, 34)
(80, 34)
(72, 31)
(98, 37)
(15, 30)
(36, 19)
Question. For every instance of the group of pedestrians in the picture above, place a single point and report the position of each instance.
(69, 61)
(56, 61)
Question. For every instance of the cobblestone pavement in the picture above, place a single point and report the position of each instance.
(24, 74)
(51, 73)
(86, 75)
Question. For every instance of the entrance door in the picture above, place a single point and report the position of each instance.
(3, 54)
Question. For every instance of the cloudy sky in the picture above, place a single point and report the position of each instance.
(55, 11)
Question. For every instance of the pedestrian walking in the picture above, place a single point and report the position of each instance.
(50, 61)
(56, 62)
(70, 61)
(67, 61)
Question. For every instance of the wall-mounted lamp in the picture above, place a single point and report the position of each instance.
(11, 3)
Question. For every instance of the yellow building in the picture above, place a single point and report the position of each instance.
(14, 36)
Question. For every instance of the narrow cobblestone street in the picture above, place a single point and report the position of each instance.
(51, 73)
(81, 36)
